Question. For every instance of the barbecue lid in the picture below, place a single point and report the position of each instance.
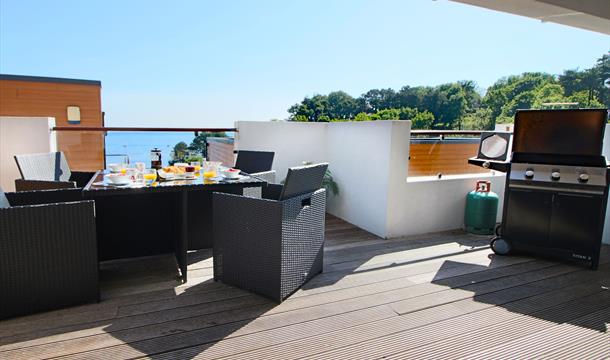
(578, 132)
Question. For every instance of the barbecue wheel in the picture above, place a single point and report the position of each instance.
(500, 246)
(499, 230)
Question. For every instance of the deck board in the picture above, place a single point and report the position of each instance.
(434, 295)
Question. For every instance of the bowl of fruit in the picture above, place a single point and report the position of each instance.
(231, 173)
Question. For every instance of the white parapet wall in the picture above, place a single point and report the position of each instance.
(292, 142)
(369, 162)
(362, 156)
(606, 236)
(22, 135)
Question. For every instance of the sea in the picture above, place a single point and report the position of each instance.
(136, 146)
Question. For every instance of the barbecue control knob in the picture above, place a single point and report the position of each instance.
(529, 173)
(555, 175)
(584, 177)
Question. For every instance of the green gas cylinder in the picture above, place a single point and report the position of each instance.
(481, 209)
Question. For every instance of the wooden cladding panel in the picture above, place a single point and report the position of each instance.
(84, 150)
(442, 158)
(219, 151)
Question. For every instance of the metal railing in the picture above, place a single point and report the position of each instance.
(110, 128)
(91, 147)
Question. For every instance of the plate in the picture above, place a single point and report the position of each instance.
(104, 183)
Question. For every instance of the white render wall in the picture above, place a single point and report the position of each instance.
(22, 135)
(607, 154)
(361, 161)
(369, 161)
(292, 142)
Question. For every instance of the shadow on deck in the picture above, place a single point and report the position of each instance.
(434, 295)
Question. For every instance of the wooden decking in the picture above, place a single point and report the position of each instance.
(431, 296)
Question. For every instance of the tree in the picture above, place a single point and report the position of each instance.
(515, 92)
(459, 105)
(375, 100)
(422, 120)
(481, 119)
(199, 143)
(179, 151)
(361, 117)
(340, 105)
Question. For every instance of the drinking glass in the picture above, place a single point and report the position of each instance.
(197, 166)
(149, 175)
(210, 169)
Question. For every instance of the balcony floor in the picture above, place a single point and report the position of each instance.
(432, 296)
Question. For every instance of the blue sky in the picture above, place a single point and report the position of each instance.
(209, 63)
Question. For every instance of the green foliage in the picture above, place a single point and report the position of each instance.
(479, 120)
(422, 120)
(179, 151)
(328, 182)
(459, 105)
(362, 117)
(199, 143)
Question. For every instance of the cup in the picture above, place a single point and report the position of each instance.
(149, 176)
(210, 169)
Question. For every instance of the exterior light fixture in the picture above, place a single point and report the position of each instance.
(73, 115)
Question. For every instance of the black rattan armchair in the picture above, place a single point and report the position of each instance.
(48, 251)
(253, 162)
(274, 244)
(258, 164)
(48, 171)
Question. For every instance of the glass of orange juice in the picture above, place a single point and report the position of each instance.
(210, 169)
(197, 166)
(149, 175)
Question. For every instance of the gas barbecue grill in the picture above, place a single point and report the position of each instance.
(556, 185)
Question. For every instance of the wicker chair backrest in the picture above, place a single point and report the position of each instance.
(252, 162)
(51, 166)
(303, 179)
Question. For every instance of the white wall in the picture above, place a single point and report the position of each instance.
(292, 142)
(606, 236)
(430, 205)
(22, 135)
(369, 161)
(360, 159)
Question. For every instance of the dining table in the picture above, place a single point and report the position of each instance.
(162, 217)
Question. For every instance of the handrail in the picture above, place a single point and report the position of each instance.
(446, 132)
(103, 128)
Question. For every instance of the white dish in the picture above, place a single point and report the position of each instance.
(115, 168)
(230, 174)
(117, 179)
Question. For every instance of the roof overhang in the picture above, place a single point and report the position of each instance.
(593, 15)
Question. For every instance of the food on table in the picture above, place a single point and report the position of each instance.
(189, 169)
(231, 173)
(150, 177)
(174, 169)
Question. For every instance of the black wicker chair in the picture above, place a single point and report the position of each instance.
(253, 162)
(48, 171)
(48, 251)
(258, 164)
(272, 245)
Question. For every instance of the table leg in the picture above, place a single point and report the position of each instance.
(182, 239)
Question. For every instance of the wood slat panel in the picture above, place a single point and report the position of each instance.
(413, 297)
(84, 151)
(442, 158)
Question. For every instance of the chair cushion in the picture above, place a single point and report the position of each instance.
(303, 179)
(51, 166)
(3, 200)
